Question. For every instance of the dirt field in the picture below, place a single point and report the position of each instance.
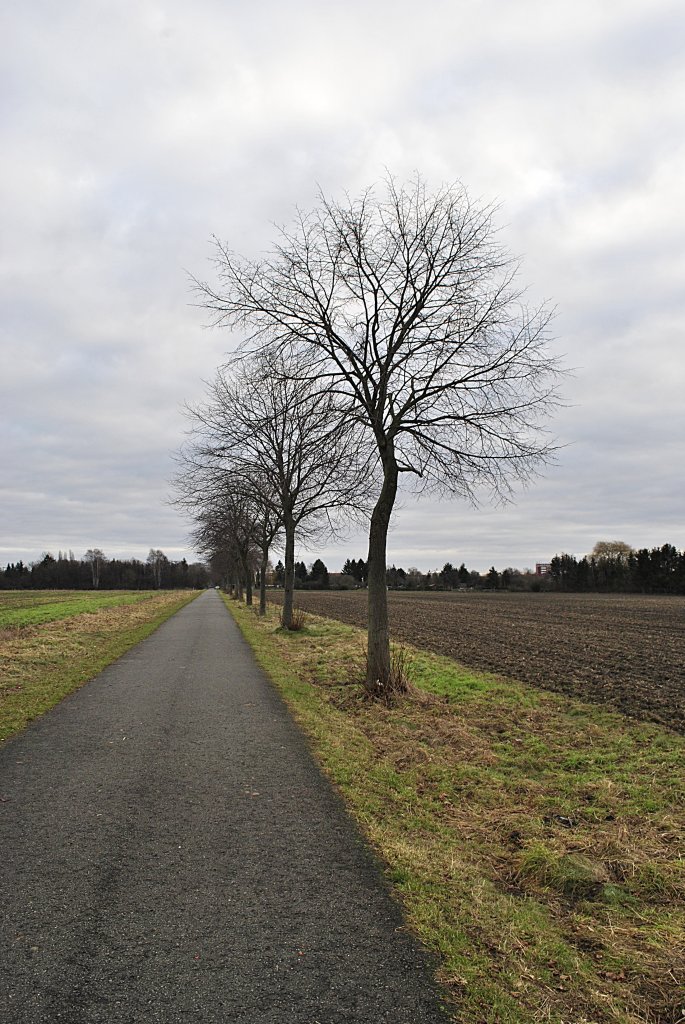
(623, 650)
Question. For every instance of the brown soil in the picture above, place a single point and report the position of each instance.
(624, 650)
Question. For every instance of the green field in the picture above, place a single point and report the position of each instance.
(535, 841)
(29, 608)
(51, 642)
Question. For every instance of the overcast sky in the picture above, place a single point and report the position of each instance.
(132, 131)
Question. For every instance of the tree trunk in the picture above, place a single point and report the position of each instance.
(289, 576)
(262, 581)
(378, 655)
(248, 586)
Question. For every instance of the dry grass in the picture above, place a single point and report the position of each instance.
(298, 620)
(536, 841)
(397, 683)
(41, 663)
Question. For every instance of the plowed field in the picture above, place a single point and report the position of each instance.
(623, 650)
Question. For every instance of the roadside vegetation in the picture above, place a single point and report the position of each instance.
(536, 841)
(51, 642)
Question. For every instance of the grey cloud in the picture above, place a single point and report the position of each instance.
(133, 132)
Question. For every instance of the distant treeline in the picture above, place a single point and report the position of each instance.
(450, 577)
(647, 571)
(96, 571)
(354, 573)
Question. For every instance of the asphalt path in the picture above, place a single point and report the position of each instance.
(169, 852)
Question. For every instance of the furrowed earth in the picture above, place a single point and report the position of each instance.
(625, 650)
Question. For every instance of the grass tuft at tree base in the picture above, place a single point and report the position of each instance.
(535, 841)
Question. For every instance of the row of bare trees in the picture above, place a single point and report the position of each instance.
(270, 456)
(384, 339)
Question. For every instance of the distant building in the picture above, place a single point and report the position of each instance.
(543, 568)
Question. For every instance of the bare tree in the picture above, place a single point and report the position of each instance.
(408, 309)
(287, 444)
(226, 528)
(264, 523)
(617, 549)
(156, 560)
(96, 559)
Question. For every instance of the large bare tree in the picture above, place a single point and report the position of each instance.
(409, 310)
(281, 439)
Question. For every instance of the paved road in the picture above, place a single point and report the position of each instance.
(170, 853)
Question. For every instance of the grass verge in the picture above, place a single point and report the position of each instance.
(62, 639)
(535, 841)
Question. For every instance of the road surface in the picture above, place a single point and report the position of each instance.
(171, 853)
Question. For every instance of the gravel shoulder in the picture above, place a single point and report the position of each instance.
(172, 854)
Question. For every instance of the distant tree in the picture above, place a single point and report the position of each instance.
(361, 571)
(318, 575)
(198, 575)
(492, 579)
(16, 576)
(587, 576)
(96, 560)
(156, 560)
(414, 578)
(357, 568)
(301, 574)
(563, 572)
(396, 578)
(513, 579)
(229, 531)
(279, 573)
(44, 573)
(617, 549)
(667, 570)
(463, 575)
(179, 573)
(115, 574)
(449, 577)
